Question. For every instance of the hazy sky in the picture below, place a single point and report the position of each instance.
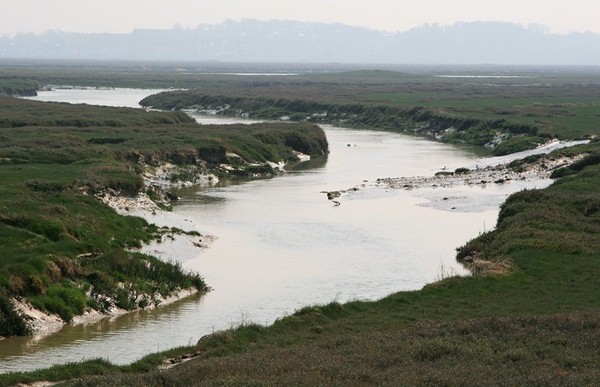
(392, 15)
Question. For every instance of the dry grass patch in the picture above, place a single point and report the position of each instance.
(482, 267)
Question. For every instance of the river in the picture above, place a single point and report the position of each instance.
(281, 245)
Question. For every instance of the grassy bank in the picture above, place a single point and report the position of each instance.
(18, 87)
(504, 114)
(506, 108)
(63, 250)
(528, 316)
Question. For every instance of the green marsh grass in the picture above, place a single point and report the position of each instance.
(528, 111)
(536, 325)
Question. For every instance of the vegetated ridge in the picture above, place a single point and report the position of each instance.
(18, 88)
(506, 115)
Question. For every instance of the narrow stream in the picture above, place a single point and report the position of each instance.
(281, 245)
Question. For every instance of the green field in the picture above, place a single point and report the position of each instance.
(529, 314)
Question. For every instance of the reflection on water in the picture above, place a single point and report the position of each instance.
(106, 338)
(102, 97)
(282, 245)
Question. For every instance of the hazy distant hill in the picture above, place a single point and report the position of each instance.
(290, 41)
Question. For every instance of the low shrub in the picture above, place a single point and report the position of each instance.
(11, 322)
(65, 300)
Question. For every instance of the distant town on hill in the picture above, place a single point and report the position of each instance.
(291, 41)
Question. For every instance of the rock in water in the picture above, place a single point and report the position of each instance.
(333, 194)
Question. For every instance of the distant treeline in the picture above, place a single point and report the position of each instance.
(282, 41)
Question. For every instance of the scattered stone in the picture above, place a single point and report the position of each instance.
(537, 170)
(333, 194)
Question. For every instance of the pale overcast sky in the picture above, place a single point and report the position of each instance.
(391, 15)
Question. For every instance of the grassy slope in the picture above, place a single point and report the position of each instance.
(54, 156)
